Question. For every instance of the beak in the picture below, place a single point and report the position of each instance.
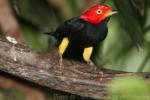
(111, 13)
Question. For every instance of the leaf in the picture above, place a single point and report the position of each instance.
(125, 88)
(129, 20)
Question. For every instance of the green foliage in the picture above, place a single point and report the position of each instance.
(34, 38)
(127, 45)
(39, 13)
(35, 18)
(129, 15)
(128, 88)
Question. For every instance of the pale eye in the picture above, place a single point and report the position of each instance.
(99, 12)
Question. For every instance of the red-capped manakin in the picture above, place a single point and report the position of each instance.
(78, 36)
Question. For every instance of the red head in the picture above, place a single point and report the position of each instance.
(97, 13)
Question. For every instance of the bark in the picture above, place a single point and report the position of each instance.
(43, 68)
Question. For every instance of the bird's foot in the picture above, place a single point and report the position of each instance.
(60, 63)
(90, 62)
(102, 75)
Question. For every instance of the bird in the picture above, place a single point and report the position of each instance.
(79, 36)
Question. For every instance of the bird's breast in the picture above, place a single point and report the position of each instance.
(89, 36)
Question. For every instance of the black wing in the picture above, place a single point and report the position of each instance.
(69, 27)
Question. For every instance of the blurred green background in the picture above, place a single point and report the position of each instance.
(128, 88)
(126, 46)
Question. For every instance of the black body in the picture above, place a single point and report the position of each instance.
(81, 34)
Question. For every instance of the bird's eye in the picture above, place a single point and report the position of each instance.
(99, 12)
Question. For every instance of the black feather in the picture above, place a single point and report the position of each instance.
(81, 34)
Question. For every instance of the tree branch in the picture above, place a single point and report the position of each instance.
(43, 68)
